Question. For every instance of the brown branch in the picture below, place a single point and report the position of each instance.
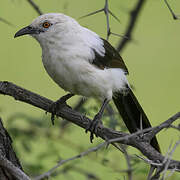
(10, 167)
(134, 14)
(139, 142)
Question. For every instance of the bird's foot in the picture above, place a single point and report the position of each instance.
(57, 105)
(94, 125)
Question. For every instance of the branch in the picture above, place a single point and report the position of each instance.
(139, 142)
(134, 14)
(106, 11)
(10, 167)
(175, 17)
(129, 170)
(61, 162)
(36, 8)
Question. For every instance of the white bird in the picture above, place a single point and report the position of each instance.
(82, 63)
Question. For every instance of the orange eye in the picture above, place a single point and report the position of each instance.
(46, 24)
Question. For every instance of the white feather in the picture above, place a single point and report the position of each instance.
(67, 53)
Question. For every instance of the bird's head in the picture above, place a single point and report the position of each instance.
(48, 26)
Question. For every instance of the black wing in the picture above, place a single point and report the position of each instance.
(111, 59)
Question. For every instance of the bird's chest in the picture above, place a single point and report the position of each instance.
(67, 73)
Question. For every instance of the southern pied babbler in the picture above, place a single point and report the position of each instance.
(82, 63)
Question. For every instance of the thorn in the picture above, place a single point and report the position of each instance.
(114, 16)
(6, 22)
(90, 14)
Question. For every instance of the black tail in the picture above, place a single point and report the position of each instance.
(131, 113)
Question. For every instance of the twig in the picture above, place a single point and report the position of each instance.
(107, 11)
(169, 156)
(15, 171)
(164, 125)
(134, 14)
(60, 163)
(6, 22)
(148, 161)
(162, 166)
(128, 161)
(66, 112)
(175, 17)
(175, 127)
(88, 175)
(34, 5)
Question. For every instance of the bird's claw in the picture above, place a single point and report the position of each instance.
(93, 127)
(54, 108)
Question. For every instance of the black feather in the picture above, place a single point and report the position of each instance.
(131, 113)
(111, 58)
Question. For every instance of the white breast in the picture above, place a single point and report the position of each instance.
(67, 59)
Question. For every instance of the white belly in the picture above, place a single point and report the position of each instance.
(80, 77)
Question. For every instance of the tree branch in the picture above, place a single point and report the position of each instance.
(106, 11)
(134, 14)
(175, 17)
(10, 167)
(61, 162)
(139, 142)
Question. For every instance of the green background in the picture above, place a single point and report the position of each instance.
(153, 60)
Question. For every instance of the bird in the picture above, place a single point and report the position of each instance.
(83, 63)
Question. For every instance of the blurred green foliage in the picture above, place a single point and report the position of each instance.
(153, 61)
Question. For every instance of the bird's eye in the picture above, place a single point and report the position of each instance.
(46, 25)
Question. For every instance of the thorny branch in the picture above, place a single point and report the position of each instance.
(161, 167)
(130, 27)
(140, 142)
(134, 14)
(107, 11)
(86, 173)
(61, 162)
(168, 158)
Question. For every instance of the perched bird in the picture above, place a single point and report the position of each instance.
(82, 63)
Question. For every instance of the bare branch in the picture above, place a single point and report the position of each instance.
(162, 167)
(134, 14)
(34, 5)
(164, 125)
(128, 161)
(15, 171)
(175, 17)
(61, 162)
(169, 156)
(142, 143)
(9, 164)
(107, 11)
(175, 127)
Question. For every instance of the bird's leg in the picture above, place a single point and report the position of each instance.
(57, 105)
(97, 122)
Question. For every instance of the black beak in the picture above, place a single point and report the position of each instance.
(27, 30)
